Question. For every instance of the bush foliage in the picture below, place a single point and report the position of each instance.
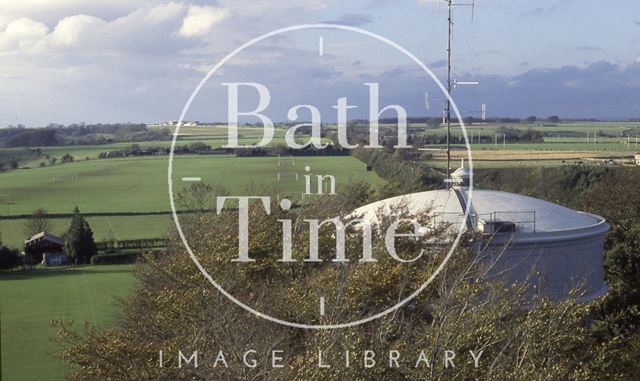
(174, 309)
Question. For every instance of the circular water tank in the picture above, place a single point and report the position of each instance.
(557, 247)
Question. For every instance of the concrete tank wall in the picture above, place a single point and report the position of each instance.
(555, 267)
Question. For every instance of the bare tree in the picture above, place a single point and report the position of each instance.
(39, 222)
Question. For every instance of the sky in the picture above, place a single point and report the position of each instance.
(71, 61)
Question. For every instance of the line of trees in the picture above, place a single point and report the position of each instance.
(198, 148)
(402, 174)
(329, 150)
(80, 134)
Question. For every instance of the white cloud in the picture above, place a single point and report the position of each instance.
(165, 12)
(23, 33)
(199, 20)
(283, 8)
(25, 5)
(149, 30)
(70, 30)
(153, 27)
(50, 11)
(74, 60)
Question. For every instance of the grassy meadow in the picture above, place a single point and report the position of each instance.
(577, 130)
(612, 137)
(30, 300)
(140, 185)
(214, 136)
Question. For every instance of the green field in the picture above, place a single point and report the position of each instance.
(104, 228)
(214, 136)
(30, 300)
(27, 158)
(614, 147)
(612, 136)
(577, 136)
(574, 129)
(140, 185)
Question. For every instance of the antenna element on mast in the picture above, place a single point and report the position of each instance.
(450, 84)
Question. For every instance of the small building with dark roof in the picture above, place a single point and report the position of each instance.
(43, 243)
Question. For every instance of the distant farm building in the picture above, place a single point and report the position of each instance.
(45, 248)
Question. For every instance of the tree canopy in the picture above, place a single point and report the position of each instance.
(79, 243)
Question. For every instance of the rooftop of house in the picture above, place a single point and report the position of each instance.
(44, 236)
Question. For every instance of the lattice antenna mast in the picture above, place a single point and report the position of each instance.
(450, 84)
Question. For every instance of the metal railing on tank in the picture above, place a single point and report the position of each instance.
(505, 221)
(494, 222)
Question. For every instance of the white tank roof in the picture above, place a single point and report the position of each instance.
(531, 214)
(562, 245)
